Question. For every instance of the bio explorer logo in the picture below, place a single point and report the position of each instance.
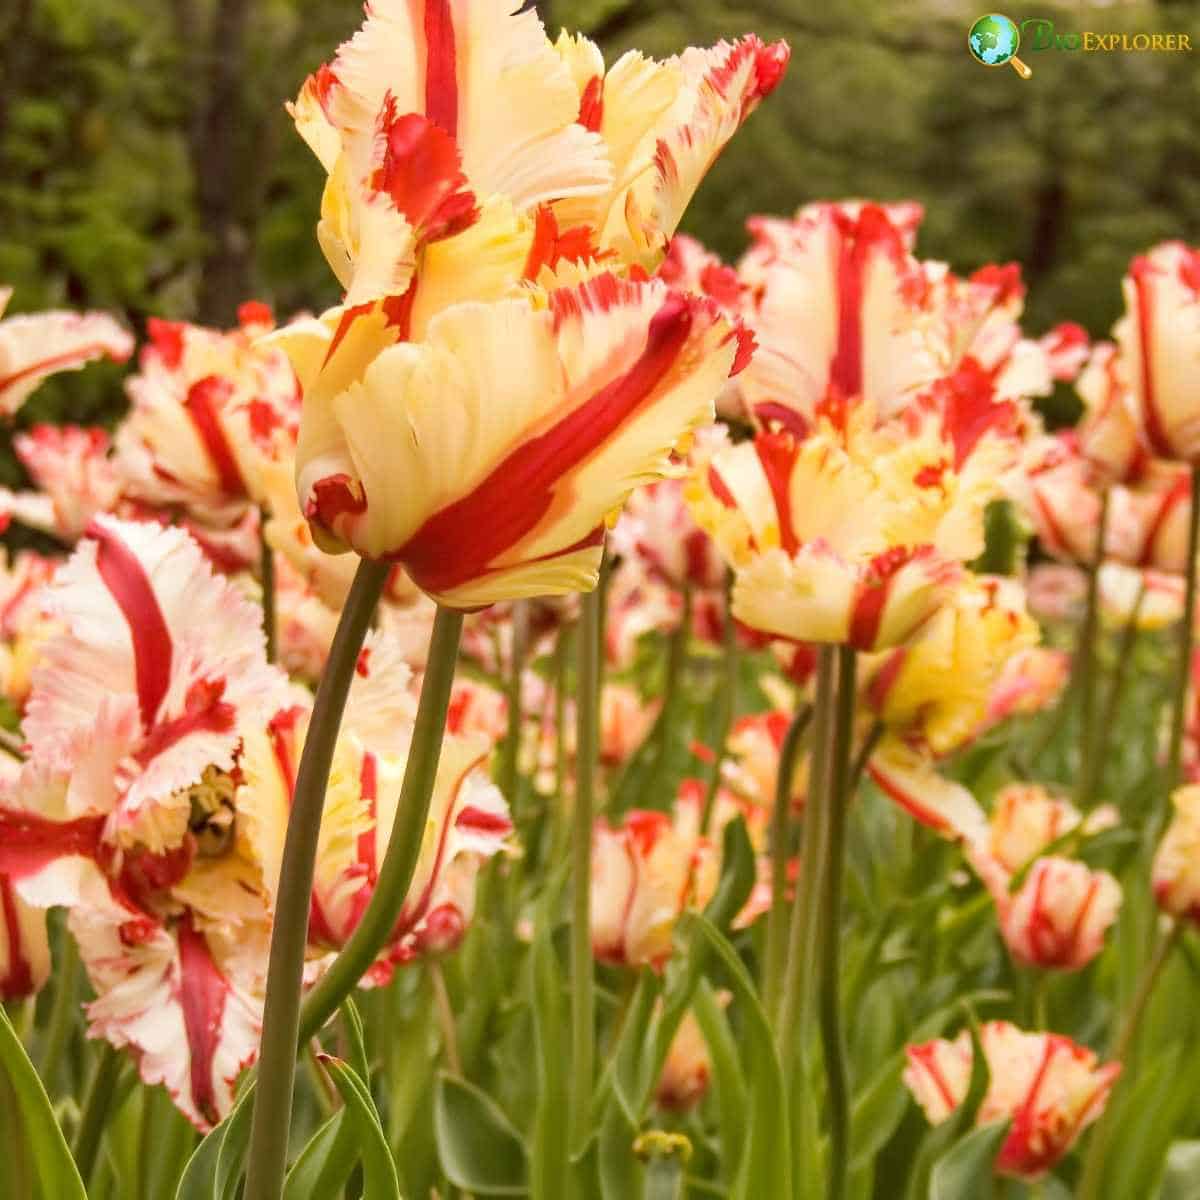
(995, 39)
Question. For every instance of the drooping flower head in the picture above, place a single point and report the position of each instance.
(1048, 1086)
(35, 346)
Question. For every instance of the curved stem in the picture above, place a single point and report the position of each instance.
(583, 1031)
(289, 934)
(1186, 638)
(97, 1111)
(1097, 1152)
(829, 976)
(728, 701)
(267, 579)
(404, 847)
(795, 1009)
(780, 845)
(1085, 658)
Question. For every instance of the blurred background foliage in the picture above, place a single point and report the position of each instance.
(147, 164)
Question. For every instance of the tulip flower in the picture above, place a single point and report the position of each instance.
(656, 526)
(24, 626)
(645, 872)
(468, 820)
(35, 346)
(1030, 681)
(459, 165)
(1049, 1087)
(937, 686)
(73, 476)
(485, 458)
(625, 720)
(686, 1070)
(1026, 819)
(1159, 337)
(1110, 435)
(24, 947)
(1175, 874)
(208, 411)
(1059, 915)
(159, 668)
(754, 746)
(855, 544)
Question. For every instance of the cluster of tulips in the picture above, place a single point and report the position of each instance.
(562, 648)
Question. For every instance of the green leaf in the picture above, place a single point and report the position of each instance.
(621, 1174)
(479, 1149)
(766, 1166)
(380, 1181)
(215, 1167)
(324, 1165)
(1181, 1178)
(738, 873)
(353, 1024)
(965, 1171)
(729, 1081)
(633, 1070)
(56, 1172)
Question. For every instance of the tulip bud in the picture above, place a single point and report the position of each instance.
(1175, 874)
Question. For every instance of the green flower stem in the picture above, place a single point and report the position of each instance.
(404, 847)
(727, 701)
(795, 1007)
(833, 1038)
(1113, 701)
(65, 1011)
(289, 935)
(781, 822)
(1097, 1153)
(560, 825)
(583, 1032)
(11, 744)
(512, 741)
(97, 1111)
(267, 579)
(1085, 660)
(1186, 639)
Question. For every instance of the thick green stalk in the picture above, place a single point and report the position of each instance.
(795, 1009)
(583, 1032)
(1085, 658)
(833, 1039)
(65, 1011)
(375, 927)
(781, 823)
(560, 825)
(267, 579)
(1186, 639)
(277, 1056)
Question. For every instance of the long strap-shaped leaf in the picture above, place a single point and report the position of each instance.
(56, 1171)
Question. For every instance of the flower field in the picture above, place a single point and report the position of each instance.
(585, 719)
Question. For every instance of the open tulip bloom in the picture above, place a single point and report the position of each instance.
(577, 717)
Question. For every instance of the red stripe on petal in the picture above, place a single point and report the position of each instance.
(204, 711)
(890, 786)
(483, 821)
(369, 786)
(462, 541)
(204, 402)
(28, 842)
(591, 104)
(334, 497)
(777, 452)
(55, 362)
(18, 979)
(203, 991)
(871, 595)
(129, 586)
(924, 1056)
(441, 66)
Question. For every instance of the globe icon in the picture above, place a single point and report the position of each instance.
(994, 40)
